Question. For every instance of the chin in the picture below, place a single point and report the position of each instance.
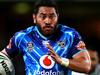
(48, 33)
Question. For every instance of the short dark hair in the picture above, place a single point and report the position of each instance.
(48, 3)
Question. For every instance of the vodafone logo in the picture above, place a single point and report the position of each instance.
(47, 62)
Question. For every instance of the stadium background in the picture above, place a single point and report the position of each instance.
(83, 15)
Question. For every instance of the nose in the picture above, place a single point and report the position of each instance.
(47, 21)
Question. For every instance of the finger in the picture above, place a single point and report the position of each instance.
(53, 57)
(48, 46)
(52, 52)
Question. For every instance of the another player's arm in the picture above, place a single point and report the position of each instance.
(80, 62)
(4, 51)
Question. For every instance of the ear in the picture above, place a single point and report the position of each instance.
(58, 15)
(34, 18)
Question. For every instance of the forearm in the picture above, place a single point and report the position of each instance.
(79, 66)
(80, 62)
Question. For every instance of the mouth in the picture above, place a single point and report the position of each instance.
(48, 28)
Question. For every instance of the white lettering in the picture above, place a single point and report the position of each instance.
(49, 72)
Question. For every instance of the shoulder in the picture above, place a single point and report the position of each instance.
(68, 30)
(20, 34)
(24, 32)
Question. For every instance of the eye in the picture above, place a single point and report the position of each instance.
(43, 16)
(52, 16)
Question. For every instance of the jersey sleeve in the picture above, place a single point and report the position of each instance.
(12, 47)
(77, 45)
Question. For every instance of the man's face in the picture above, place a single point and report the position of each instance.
(46, 20)
(94, 59)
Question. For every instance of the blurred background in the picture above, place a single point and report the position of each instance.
(83, 15)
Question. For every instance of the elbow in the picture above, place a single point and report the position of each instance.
(87, 68)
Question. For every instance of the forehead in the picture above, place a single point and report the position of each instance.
(46, 10)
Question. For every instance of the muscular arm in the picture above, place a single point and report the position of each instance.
(80, 62)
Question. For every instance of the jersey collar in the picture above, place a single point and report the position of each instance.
(41, 35)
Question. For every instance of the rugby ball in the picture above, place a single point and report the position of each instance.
(6, 65)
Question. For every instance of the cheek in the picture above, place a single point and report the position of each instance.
(54, 21)
(39, 22)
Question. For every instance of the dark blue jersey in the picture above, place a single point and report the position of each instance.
(31, 43)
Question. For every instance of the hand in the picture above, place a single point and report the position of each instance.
(81, 45)
(55, 56)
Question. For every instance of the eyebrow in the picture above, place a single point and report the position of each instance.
(45, 14)
(42, 14)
